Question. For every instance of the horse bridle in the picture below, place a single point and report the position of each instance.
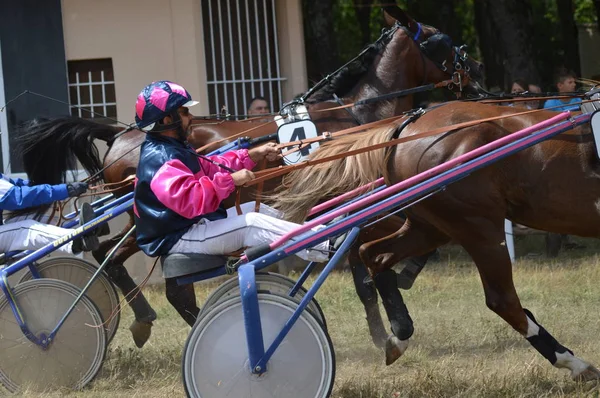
(459, 72)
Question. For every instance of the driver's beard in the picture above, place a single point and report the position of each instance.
(182, 133)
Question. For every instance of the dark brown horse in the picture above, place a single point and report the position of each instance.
(407, 55)
(536, 187)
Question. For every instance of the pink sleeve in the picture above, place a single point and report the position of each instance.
(178, 189)
(236, 160)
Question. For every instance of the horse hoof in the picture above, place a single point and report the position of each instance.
(140, 331)
(589, 374)
(379, 341)
(394, 349)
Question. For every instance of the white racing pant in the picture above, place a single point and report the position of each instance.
(31, 235)
(249, 229)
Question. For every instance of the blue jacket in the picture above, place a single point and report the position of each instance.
(16, 194)
(175, 189)
(572, 105)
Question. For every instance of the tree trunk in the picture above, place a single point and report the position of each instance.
(362, 8)
(597, 5)
(568, 27)
(489, 46)
(505, 29)
(321, 48)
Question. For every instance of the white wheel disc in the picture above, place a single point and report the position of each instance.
(78, 272)
(75, 355)
(266, 282)
(215, 360)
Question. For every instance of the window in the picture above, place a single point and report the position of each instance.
(92, 89)
(242, 55)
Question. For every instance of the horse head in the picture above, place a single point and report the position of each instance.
(435, 57)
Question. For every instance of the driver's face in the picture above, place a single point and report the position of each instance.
(186, 118)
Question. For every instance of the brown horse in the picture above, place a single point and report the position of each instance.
(535, 187)
(407, 55)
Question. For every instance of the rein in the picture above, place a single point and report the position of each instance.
(264, 175)
(384, 97)
(267, 174)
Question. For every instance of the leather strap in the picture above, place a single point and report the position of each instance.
(259, 188)
(281, 170)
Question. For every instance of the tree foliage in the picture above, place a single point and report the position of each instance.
(498, 32)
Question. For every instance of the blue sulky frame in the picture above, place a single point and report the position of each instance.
(44, 340)
(258, 356)
(29, 257)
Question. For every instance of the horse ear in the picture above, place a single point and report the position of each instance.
(395, 13)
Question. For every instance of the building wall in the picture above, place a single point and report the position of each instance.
(147, 40)
(291, 47)
(151, 40)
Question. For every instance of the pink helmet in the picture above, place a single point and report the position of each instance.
(159, 99)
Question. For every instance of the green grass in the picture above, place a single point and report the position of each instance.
(459, 349)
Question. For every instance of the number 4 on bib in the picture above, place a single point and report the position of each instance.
(298, 131)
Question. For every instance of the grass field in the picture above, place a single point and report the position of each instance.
(459, 348)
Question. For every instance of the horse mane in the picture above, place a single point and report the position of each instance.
(52, 147)
(346, 78)
(304, 188)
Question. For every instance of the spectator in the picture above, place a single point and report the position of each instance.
(258, 106)
(519, 86)
(565, 83)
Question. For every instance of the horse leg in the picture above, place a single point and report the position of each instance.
(144, 313)
(365, 288)
(489, 252)
(413, 239)
(183, 299)
(363, 282)
(553, 244)
(406, 278)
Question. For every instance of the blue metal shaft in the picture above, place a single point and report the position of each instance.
(305, 274)
(251, 311)
(94, 204)
(309, 239)
(38, 254)
(100, 210)
(337, 257)
(88, 284)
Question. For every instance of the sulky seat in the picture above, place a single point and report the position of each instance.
(180, 265)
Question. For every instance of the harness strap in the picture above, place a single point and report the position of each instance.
(340, 102)
(526, 99)
(281, 170)
(277, 171)
(238, 199)
(401, 93)
(259, 188)
(329, 136)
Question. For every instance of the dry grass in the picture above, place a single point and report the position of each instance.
(460, 348)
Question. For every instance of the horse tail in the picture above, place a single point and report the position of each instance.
(304, 188)
(51, 147)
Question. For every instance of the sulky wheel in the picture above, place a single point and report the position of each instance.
(267, 282)
(215, 357)
(78, 272)
(75, 355)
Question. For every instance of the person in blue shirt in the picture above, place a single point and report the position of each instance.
(565, 83)
(17, 194)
